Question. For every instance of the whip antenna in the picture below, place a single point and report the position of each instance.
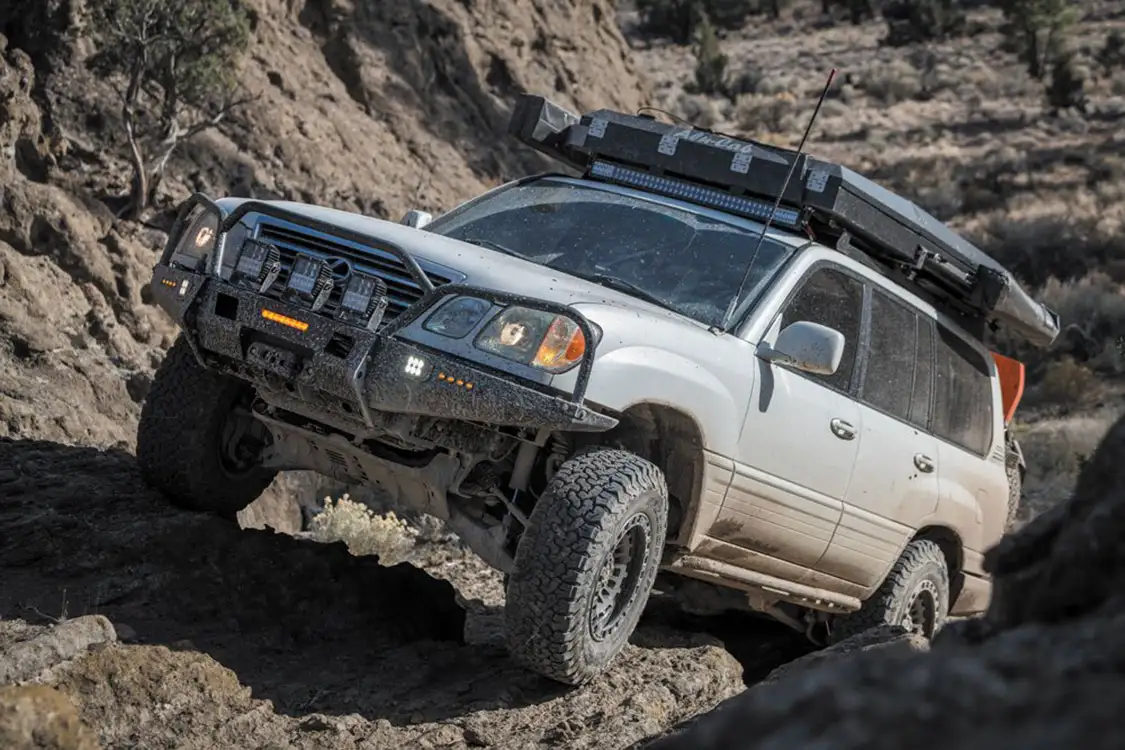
(776, 204)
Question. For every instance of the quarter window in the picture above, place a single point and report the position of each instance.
(832, 299)
(962, 394)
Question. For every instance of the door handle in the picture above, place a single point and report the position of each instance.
(924, 463)
(842, 429)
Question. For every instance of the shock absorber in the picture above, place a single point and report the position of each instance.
(560, 449)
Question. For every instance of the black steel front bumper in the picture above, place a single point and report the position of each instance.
(349, 370)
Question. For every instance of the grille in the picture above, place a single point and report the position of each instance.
(402, 290)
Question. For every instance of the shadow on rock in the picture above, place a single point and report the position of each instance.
(759, 643)
(302, 624)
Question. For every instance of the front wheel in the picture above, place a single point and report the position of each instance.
(196, 442)
(586, 565)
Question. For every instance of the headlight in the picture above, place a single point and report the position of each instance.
(534, 337)
(457, 317)
(197, 241)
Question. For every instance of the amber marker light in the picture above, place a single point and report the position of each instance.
(563, 345)
(285, 320)
(453, 380)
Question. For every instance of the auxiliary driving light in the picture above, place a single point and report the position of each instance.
(415, 367)
(258, 265)
(311, 280)
(364, 301)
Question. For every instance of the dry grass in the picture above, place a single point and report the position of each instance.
(1065, 382)
(363, 531)
(1055, 450)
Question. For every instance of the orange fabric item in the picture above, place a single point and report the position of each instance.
(1011, 374)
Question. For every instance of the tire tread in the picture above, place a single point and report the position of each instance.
(545, 616)
(176, 437)
(896, 587)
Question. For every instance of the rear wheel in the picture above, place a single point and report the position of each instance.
(586, 565)
(1015, 484)
(914, 596)
(197, 442)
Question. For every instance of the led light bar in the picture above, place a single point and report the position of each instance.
(364, 301)
(692, 193)
(310, 279)
(285, 320)
(257, 266)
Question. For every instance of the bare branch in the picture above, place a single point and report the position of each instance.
(172, 62)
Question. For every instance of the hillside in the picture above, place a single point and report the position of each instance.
(960, 127)
(220, 637)
(377, 108)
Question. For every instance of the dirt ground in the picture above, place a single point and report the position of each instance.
(249, 638)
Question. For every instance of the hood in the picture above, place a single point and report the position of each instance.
(487, 268)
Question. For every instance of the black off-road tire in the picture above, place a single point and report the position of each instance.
(597, 507)
(179, 439)
(920, 572)
(1015, 486)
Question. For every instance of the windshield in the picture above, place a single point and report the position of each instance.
(676, 258)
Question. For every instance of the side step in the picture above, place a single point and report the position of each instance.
(725, 574)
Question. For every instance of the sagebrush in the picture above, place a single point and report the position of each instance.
(363, 531)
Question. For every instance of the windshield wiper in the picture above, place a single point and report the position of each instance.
(481, 242)
(628, 287)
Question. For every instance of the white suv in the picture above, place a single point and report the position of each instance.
(592, 379)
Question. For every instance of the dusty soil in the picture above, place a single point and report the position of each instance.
(229, 637)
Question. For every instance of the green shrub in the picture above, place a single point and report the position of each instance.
(1067, 86)
(858, 10)
(913, 21)
(1037, 31)
(1112, 54)
(677, 19)
(1063, 382)
(710, 62)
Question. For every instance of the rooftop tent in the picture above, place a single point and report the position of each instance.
(837, 205)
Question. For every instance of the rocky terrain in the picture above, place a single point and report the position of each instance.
(125, 624)
(223, 637)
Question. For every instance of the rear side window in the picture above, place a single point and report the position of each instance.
(962, 394)
(888, 383)
(832, 299)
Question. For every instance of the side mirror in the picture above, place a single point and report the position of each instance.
(806, 346)
(417, 219)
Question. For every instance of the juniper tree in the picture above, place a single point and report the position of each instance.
(173, 64)
(1037, 31)
(710, 62)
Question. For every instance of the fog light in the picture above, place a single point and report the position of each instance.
(364, 301)
(310, 280)
(415, 367)
(258, 265)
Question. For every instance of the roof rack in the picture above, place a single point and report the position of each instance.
(834, 204)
